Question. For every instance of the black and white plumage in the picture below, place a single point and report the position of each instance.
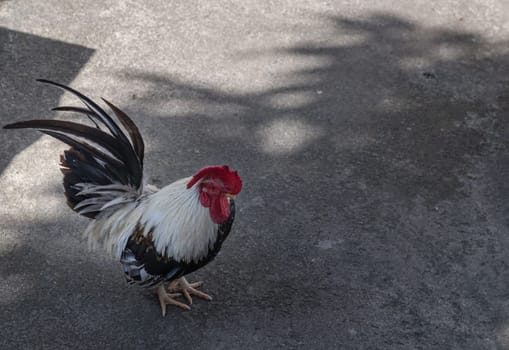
(158, 235)
(144, 266)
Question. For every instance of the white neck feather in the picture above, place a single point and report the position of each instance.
(180, 226)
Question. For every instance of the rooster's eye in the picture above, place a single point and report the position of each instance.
(211, 189)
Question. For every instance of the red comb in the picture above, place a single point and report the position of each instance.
(231, 180)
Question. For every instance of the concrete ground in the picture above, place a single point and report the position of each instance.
(372, 137)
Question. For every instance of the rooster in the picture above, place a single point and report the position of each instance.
(158, 235)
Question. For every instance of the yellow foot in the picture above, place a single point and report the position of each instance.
(186, 288)
(167, 299)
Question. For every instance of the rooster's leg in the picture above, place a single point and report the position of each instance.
(186, 288)
(167, 299)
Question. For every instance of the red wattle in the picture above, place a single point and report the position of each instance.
(220, 209)
(204, 199)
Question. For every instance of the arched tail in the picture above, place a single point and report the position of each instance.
(103, 167)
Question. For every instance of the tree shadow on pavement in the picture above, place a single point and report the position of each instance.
(369, 180)
(373, 213)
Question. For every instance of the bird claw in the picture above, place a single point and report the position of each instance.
(187, 289)
(168, 299)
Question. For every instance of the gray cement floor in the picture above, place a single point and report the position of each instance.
(372, 137)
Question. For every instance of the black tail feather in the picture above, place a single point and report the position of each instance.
(110, 165)
(97, 111)
(132, 129)
(79, 167)
(111, 158)
(106, 141)
(81, 110)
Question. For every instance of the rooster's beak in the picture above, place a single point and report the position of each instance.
(231, 196)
